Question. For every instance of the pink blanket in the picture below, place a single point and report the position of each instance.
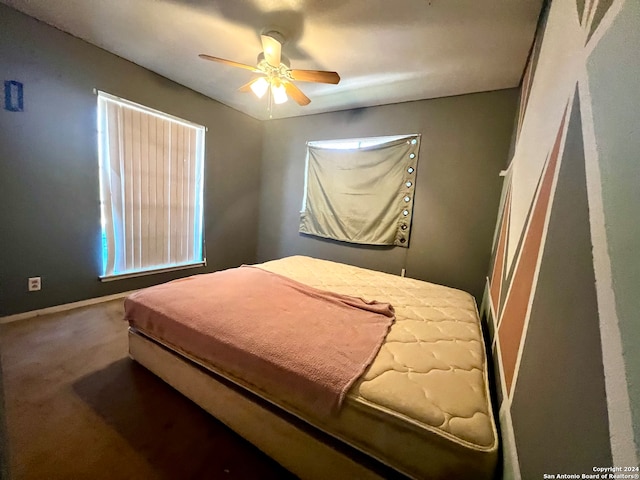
(300, 345)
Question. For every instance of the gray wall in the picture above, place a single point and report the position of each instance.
(559, 406)
(49, 198)
(570, 339)
(465, 144)
(614, 71)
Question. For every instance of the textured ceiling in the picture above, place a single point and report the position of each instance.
(385, 51)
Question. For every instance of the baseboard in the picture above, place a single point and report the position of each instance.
(63, 308)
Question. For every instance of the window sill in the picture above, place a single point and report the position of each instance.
(142, 273)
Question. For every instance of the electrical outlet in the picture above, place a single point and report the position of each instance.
(35, 284)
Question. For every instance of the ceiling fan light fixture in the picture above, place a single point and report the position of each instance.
(279, 93)
(277, 77)
(260, 86)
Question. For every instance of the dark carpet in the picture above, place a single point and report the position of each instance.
(78, 408)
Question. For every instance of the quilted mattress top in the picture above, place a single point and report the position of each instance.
(431, 370)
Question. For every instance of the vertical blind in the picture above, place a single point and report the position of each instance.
(361, 190)
(151, 175)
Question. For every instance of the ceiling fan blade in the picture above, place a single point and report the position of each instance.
(228, 62)
(295, 93)
(315, 76)
(247, 86)
(272, 50)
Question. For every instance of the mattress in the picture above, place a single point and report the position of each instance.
(423, 405)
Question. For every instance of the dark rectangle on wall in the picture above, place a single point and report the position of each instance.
(13, 96)
(559, 408)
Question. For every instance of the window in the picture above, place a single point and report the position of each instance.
(151, 176)
(361, 190)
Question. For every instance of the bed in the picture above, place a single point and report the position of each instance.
(420, 409)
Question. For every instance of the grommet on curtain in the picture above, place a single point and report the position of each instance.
(413, 155)
(403, 226)
(407, 198)
(410, 170)
(408, 184)
(405, 212)
(402, 240)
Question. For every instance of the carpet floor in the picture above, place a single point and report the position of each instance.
(78, 408)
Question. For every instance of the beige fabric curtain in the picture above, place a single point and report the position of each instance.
(151, 188)
(361, 194)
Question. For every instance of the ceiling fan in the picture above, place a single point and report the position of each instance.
(276, 76)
